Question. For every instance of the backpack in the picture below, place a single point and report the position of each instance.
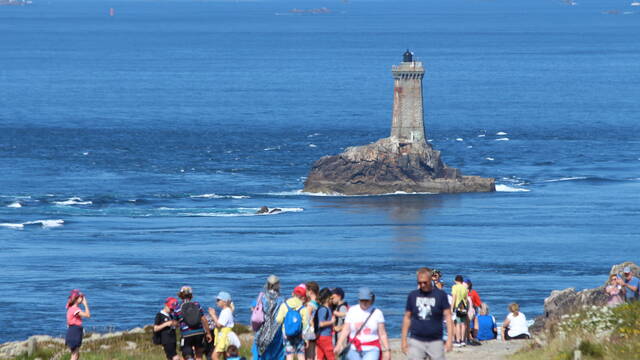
(156, 338)
(257, 315)
(191, 315)
(461, 310)
(293, 322)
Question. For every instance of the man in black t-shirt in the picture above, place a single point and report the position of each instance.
(164, 328)
(425, 311)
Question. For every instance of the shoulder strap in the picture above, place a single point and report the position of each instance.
(362, 326)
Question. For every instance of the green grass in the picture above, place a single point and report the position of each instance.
(598, 333)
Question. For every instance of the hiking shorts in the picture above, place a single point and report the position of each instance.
(294, 346)
(418, 350)
(188, 344)
(460, 319)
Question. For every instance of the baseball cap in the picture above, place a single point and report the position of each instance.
(626, 270)
(224, 296)
(338, 291)
(171, 302)
(300, 290)
(364, 293)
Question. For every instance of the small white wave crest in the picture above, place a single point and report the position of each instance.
(73, 201)
(15, 205)
(501, 133)
(243, 212)
(44, 223)
(216, 196)
(507, 188)
(566, 179)
(304, 193)
(502, 139)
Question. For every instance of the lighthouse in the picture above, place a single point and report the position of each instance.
(407, 124)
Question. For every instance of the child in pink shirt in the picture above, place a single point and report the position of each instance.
(75, 314)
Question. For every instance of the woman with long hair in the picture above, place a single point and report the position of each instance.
(75, 314)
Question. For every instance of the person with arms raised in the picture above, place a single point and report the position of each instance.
(75, 314)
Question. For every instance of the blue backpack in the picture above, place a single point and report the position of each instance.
(293, 322)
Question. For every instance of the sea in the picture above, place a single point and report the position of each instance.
(138, 139)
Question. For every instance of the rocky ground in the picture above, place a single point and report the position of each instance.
(489, 350)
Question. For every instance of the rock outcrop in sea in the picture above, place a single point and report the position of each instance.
(403, 162)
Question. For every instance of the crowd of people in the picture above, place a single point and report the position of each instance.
(316, 323)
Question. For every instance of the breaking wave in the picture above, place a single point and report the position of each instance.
(73, 201)
(46, 224)
(507, 188)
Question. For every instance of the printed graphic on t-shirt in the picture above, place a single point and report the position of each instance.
(424, 305)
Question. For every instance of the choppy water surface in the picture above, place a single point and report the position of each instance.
(135, 150)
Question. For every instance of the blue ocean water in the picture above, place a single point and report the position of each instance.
(135, 149)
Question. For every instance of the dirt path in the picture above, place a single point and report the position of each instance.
(489, 350)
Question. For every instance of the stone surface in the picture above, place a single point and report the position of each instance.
(388, 166)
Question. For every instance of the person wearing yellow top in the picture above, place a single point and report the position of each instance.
(294, 347)
(460, 293)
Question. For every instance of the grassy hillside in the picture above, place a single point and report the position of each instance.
(595, 333)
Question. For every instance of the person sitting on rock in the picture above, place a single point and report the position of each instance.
(485, 324)
(515, 325)
(615, 291)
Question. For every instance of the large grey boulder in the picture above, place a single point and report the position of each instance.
(570, 301)
(390, 166)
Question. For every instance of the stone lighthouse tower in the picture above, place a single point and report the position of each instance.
(404, 161)
(407, 124)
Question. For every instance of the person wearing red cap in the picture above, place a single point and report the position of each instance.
(294, 346)
(164, 329)
(73, 340)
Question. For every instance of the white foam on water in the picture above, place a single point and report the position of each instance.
(489, 158)
(249, 212)
(481, 135)
(469, 147)
(566, 179)
(12, 226)
(313, 135)
(313, 145)
(506, 188)
(15, 205)
(46, 224)
(501, 133)
(459, 139)
(272, 148)
(73, 201)
(502, 139)
(216, 196)
(85, 153)
(303, 193)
